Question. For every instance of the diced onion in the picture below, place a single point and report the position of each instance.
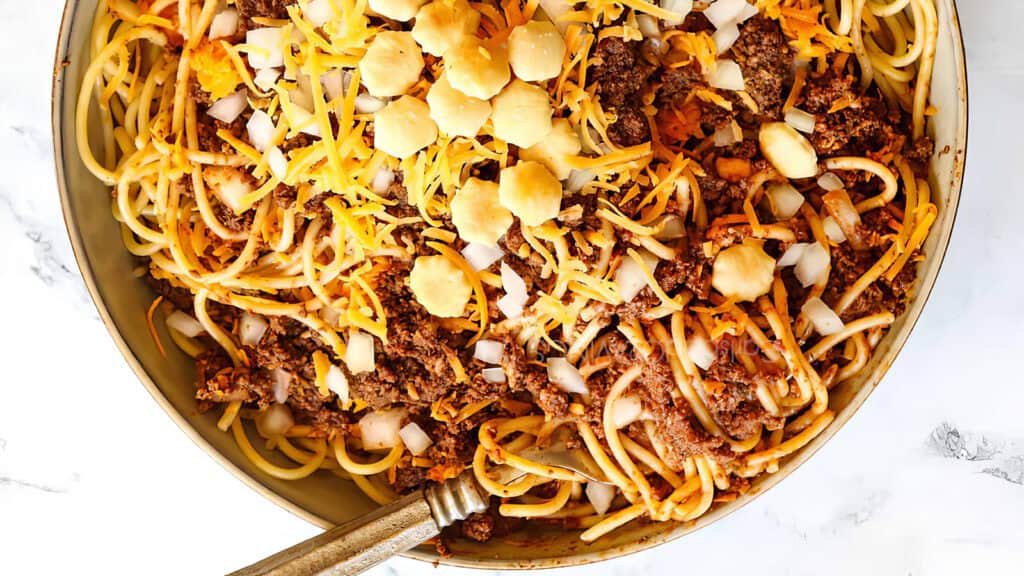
(832, 230)
(366, 104)
(379, 430)
(724, 12)
(489, 351)
(336, 82)
(277, 162)
(600, 496)
(251, 328)
(672, 228)
(261, 130)
(823, 318)
(648, 26)
(792, 255)
(840, 207)
(274, 421)
(302, 95)
(269, 44)
(266, 79)
(414, 438)
(800, 120)
(282, 380)
(727, 76)
(493, 375)
(626, 410)
(337, 382)
(830, 182)
(382, 180)
(725, 37)
(359, 353)
(512, 303)
(185, 324)
(681, 7)
(683, 195)
(813, 265)
(728, 135)
(230, 107)
(630, 278)
(299, 116)
(318, 12)
(578, 179)
(563, 374)
(746, 13)
(700, 351)
(785, 200)
(225, 23)
(481, 256)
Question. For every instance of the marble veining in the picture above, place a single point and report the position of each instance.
(927, 479)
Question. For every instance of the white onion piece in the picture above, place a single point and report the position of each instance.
(846, 216)
(800, 62)
(792, 255)
(230, 107)
(489, 351)
(359, 353)
(728, 135)
(727, 76)
(724, 12)
(366, 104)
(785, 200)
(746, 13)
(261, 130)
(600, 496)
(185, 324)
(251, 328)
(299, 116)
(277, 162)
(813, 265)
(823, 318)
(626, 410)
(302, 95)
(414, 438)
(337, 382)
(648, 26)
(832, 230)
(830, 182)
(672, 228)
(318, 12)
(681, 7)
(224, 24)
(493, 375)
(630, 278)
(701, 351)
(481, 256)
(270, 44)
(382, 180)
(330, 316)
(274, 421)
(512, 303)
(282, 380)
(578, 179)
(683, 195)
(266, 79)
(379, 430)
(800, 120)
(564, 375)
(725, 37)
(336, 82)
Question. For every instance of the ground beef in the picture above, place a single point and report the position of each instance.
(531, 375)
(767, 62)
(219, 381)
(864, 126)
(490, 524)
(250, 9)
(691, 269)
(621, 81)
(229, 218)
(730, 391)
(206, 130)
(678, 83)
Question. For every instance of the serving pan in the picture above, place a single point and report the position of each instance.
(325, 500)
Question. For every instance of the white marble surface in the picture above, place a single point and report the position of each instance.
(927, 479)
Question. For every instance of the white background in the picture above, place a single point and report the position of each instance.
(926, 479)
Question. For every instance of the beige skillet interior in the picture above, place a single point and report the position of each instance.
(324, 499)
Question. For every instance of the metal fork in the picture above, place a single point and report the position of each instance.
(360, 544)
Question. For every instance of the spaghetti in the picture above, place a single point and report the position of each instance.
(662, 243)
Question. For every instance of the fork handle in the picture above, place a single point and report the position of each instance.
(362, 543)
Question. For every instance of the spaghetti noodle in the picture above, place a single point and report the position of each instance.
(661, 243)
